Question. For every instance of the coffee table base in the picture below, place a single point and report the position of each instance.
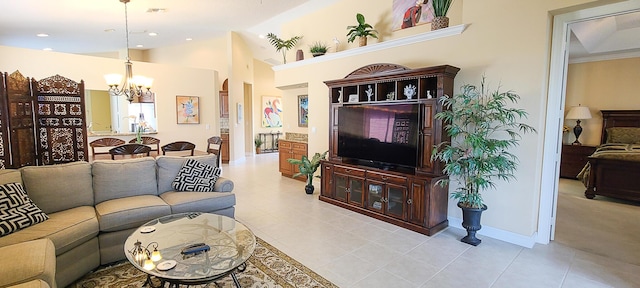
(176, 284)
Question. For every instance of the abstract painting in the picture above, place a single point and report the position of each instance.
(187, 110)
(271, 112)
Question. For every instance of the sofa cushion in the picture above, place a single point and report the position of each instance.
(130, 212)
(181, 202)
(196, 176)
(10, 176)
(124, 178)
(168, 167)
(67, 229)
(17, 211)
(47, 185)
(28, 261)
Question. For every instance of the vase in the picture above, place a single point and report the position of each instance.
(439, 22)
(309, 189)
(299, 55)
(471, 222)
(363, 41)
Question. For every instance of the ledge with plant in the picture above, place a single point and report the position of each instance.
(361, 31)
(318, 48)
(440, 10)
(483, 129)
(283, 45)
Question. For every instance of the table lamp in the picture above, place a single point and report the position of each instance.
(577, 113)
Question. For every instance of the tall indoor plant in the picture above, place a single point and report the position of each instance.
(440, 10)
(483, 129)
(308, 168)
(362, 31)
(283, 45)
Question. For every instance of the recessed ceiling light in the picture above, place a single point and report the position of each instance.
(42, 35)
(48, 49)
(261, 36)
(139, 45)
(188, 39)
(156, 10)
(110, 30)
(153, 34)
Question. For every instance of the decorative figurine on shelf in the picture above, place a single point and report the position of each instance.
(369, 92)
(410, 91)
(339, 96)
(429, 96)
(391, 96)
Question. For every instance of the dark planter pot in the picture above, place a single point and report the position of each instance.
(471, 222)
(309, 189)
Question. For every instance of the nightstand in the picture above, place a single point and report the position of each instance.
(573, 159)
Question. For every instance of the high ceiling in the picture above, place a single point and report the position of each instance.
(98, 26)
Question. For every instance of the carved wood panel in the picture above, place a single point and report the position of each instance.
(20, 122)
(61, 118)
(4, 148)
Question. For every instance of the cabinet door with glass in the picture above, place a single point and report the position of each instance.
(349, 189)
(395, 202)
(375, 196)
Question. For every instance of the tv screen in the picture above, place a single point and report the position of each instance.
(379, 135)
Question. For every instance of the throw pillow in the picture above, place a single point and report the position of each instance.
(196, 176)
(17, 211)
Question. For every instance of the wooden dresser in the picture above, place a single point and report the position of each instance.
(573, 159)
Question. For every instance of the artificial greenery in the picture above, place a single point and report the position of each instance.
(318, 48)
(283, 45)
(482, 130)
(258, 142)
(441, 7)
(361, 30)
(308, 167)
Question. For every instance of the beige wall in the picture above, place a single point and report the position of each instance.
(241, 72)
(169, 81)
(263, 86)
(511, 49)
(601, 85)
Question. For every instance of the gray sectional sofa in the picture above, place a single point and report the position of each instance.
(94, 207)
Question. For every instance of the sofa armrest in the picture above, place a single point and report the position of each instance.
(223, 185)
(27, 261)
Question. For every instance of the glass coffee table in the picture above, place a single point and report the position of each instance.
(196, 248)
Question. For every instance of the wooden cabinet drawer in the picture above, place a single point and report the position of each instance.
(388, 178)
(349, 171)
(300, 147)
(284, 144)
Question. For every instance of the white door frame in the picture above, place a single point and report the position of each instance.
(555, 108)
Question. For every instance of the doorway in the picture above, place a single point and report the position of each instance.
(555, 108)
(248, 119)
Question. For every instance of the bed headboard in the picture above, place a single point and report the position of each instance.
(618, 118)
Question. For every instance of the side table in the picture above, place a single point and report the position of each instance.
(573, 159)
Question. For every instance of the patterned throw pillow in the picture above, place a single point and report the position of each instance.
(196, 176)
(17, 211)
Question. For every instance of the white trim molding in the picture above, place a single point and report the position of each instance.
(502, 235)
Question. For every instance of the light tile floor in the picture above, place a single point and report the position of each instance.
(353, 250)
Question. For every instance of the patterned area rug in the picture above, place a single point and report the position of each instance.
(267, 267)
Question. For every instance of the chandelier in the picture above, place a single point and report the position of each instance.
(132, 85)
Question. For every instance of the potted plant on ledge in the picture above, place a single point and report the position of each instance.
(318, 48)
(283, 45)
(362, 31)
(440, 10)
(308, 168)
(482, 130)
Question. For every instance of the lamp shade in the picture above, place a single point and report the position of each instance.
(579, 113)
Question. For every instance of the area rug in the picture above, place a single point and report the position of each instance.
(267, 267)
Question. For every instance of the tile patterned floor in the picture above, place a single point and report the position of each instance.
(353, 250)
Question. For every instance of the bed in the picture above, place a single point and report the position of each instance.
(614, 169)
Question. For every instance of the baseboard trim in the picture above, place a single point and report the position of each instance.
(499, 234)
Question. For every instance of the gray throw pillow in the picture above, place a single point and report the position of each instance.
(196, 176)
(17, 211)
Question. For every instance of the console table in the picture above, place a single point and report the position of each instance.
(269, 141)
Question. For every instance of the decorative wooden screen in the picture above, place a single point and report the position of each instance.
(4, 148)
(19, 122)
(61, 121)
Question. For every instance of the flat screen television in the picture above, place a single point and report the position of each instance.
(384, 136)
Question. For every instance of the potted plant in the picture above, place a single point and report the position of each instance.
(308, 168)
(440, 10)
(283, 45)
(362, 30)
(318, 48)
(258, 142)
(482, 130)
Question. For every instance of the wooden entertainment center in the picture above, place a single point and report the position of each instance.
(405, 196)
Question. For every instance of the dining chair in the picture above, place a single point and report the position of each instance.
(104, 142)
(214, 145)
(129, 149)
(178, 146)
(147, 140)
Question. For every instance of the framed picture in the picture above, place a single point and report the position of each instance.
(271, 111)
(353, 98)
(410, 13)
(303, 111)
(187, 109)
